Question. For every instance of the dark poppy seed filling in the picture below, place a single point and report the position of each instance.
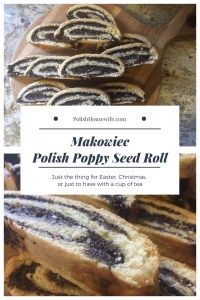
(19, 67)
(21, 278)
(93, 59)
(157, 206)
(59, 280)
(175, 281)
(166, 289)
(92, 70)
(117, 96)
(102, 249)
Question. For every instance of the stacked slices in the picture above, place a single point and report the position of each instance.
(85, 24)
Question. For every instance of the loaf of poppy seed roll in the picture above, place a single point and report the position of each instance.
(91, 65)
(80, 96)
(134, 54)
(45, 67)
(83, 11)
(25, 277)
(18, 67)
(176, 279)
(171, 228)
(43, 35)
(105, 255)
(123, 93)
(87, 31)
(39, 92)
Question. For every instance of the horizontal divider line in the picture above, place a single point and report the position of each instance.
(43, 128)
(99, 167)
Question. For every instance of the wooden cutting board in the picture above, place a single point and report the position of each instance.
(147, 76)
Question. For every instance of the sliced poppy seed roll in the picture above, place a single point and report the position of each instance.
(123, 93)
(45, 67)
(43, 35)
(18, 67)
(87, 31)
(99, 251)
(25, 277)
(171, 228)
(91, 65)
(127, 38)
(89, 12)
(134, 54)
(39, 92)
(176, 279)
(80, 96)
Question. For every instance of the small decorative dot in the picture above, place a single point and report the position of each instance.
(144, 118)
(55, 118)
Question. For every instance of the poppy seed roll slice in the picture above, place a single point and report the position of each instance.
(87, 31)
(39, 92)
(134, 54)
(18, 67)
(43, 35)
(89, 12)
(98, 251)
(123, 93)
(176, 279)
(25, 277)
(171, 228)
(91, 65)
(45, 67)
(80, 96)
